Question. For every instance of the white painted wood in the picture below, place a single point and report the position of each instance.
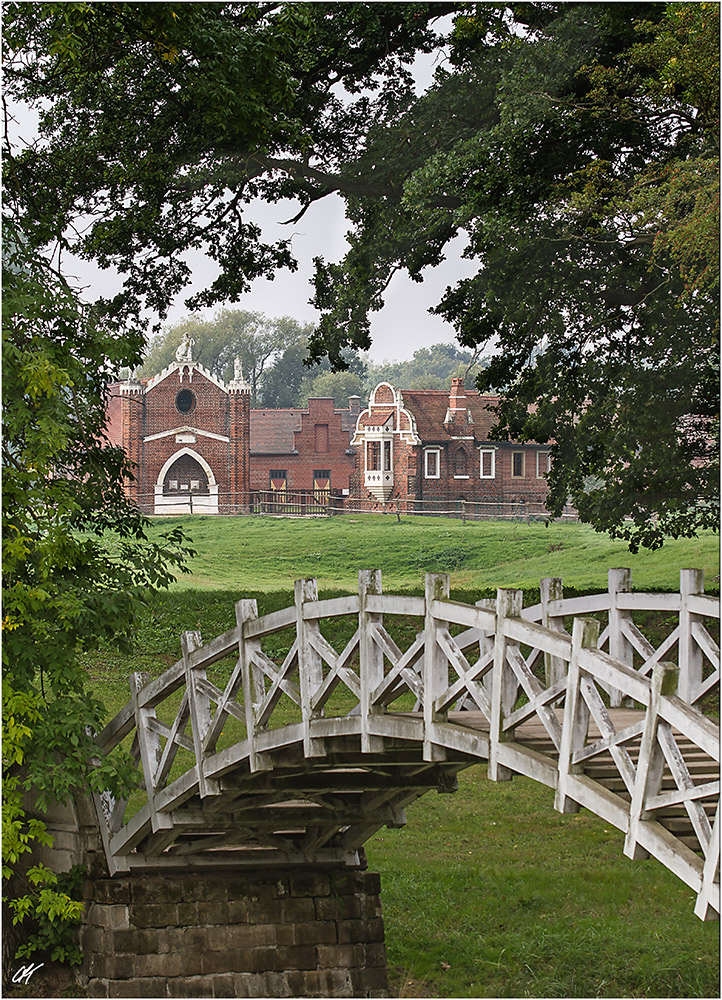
(650, 764)
(392, 604)
(703, 604)
(310, 670)
(335, 607)
(371, 657)
(150, 750)
(474, 616)
(403, 675)
(276, 621)
(585, 634)
(200, 710)
(628, 601)
(620, 648)
(504, 682)
(707, 906)
(538, 696)
(531, 634)
(691, 583)
(706, 643)
(552, 593)
(435, 664)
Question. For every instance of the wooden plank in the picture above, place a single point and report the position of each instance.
(402, 665)
(611, 673)
(158, 690)
(677, 796)
(620, 736)
(331, 608)
(704, 604)
(570, 606)
(683, 780)
(703, 732)
(217, 649)
(118, 728)
(555, 643)
(520, 759)
(706, 643)
(435, 667)
(276, 621)
(647, 602)
(504, 682)
(393, 604)
(463, 614)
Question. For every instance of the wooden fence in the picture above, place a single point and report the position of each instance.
(604, 716)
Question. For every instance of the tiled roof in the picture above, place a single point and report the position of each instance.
(430, 406)
(272, 431)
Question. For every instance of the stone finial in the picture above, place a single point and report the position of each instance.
(184, 353)
(238, 384)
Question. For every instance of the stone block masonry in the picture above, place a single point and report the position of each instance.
(293, 933)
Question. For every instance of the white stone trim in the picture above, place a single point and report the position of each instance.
(187, 429)
(492, 452)
(192, 366)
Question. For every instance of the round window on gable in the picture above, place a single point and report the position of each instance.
(185, 401)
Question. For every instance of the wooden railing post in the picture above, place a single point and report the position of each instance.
(253, 684)
(504, 683)
(585, 635)
(691, 582)
(620, 648)
(199, 705)
(436, 667)
(371, 659)
(486, 644)
(310, 666)
(650, 765)
(550, 589)
(149, 749)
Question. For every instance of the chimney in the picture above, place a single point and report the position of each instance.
(354, 405)
(457, 396)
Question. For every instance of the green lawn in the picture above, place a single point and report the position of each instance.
(267, 553)
(487, 892)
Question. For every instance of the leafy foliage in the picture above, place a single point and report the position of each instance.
(258, 341)
(55, 906)
(573, 145)
(64, 589)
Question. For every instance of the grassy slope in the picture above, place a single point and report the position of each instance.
(265, 553)
(487, 892)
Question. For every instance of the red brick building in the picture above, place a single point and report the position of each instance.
(430, 445)
(197, 446)
(303, 449)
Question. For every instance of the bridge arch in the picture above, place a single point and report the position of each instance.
(602, 715)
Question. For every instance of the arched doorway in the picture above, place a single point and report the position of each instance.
(186, 485)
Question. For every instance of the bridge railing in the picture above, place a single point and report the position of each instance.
(492, 680)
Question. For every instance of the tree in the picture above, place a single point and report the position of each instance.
(429, 368)
(77, 564)
(338, 385)
(573, 144)
(232, 333)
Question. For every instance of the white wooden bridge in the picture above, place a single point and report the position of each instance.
(299, 757)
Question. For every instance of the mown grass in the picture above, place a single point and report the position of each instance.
(269, 553)
(488, 891)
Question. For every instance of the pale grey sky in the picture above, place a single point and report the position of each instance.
(403, 325)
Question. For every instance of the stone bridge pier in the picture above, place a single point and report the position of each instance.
(298, 931)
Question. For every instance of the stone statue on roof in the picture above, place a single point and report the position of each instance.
(184, 353)
(237, 370)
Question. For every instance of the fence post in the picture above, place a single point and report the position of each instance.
(504, 682)
(551, 589)
(310, 667)
(585, 635)
(691, 582)
(371, 659)
(620, 648)
(252, 679)
(199, 705)
(650, 765)
(148, 749)
(486, 644)
(436, 667)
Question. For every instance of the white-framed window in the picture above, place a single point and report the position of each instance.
(373, 456)
(517, 465)
(387, 456)
(487, 463)
(543, 464)
(432, 463)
